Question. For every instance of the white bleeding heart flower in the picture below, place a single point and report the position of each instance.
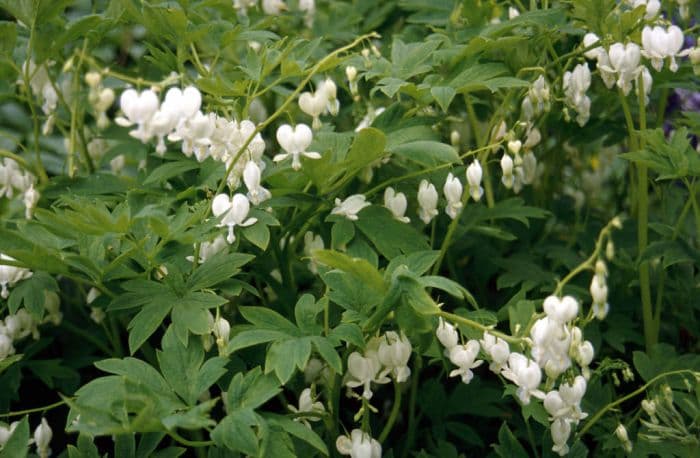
(561, 310)
(396, 203)
(474, 175)
(394, 352)
(138, 108)
(447, 334)
(507, 179)
(526, 374)
(235, 212)
(273, 7)
(295, 142)
(251, 178)
(313, 104)
(350, 207)
(659, 44)
(464, 357)
(427, 200)
(359, 445)
(10, 275)
(307, 405)
(497, 349)
(363, 371)
(453, 194)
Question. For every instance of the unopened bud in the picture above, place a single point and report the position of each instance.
(93, 79)
(455, 138)
(649, 407)
(610, 250)
(351, 73)
(616, 222)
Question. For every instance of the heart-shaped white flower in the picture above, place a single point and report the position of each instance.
(235, 212)
(295, 141)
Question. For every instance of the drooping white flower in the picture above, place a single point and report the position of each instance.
(427, 201)
(365, 370)
(526, 374)
(209, 249)
(497, 349)
(350, 207)
(561, 310)
(624, 63)
(474, 175)
(551, 341)
(453, 193)
(560, 430)
(313, 104)
(307, 405)
(309, 8)
(507, 179)
(659, 44)
(273, 7)
(359, 445)
(251, 178)
(329, 88)
(31, 198)
(10, 275)
(575, 85)
(42, 438)
(6, 349)
(235, 212)
(295, 142)
(312, 243)
(396, 203)
(394, 352)
(447, 334)
(464, 357)
(138, 108)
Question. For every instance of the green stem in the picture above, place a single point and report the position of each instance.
(395, 409)
(476, 325)
(19, 413)
(87, 336)
(188, 442)
(590, 262)
(634, 393)
(651, 334)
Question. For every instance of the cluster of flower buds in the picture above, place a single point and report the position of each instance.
(100, 97)
(323, 100)
(359, 444)
(599, 290)
(384, 356)
(520, 170)
(564, 409)
(575, 85)
(537, 99)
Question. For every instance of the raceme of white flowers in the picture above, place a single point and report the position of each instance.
(383, 356)
(553, 341)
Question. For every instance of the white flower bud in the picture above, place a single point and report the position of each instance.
(447, 334)
(474, 175)
(42, 438)
(453, 193)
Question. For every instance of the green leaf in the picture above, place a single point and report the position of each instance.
(328, 353)
(341, 233)
(217, 269)
(443, 95)
(415, 295)
(418, 262)
(248, 338)
(508, 446)
(258, 235)
(251, 390)
(137, 371)
(409, 60)
(284, 355)
(359, 268)
(17, 444)
(8, 361)
(169, 170)
(181, 366)
(428, 153)
(305, 312)
(146, 322)
(265, 318)
(519, 316)
(235, 432)
(8, 38)
(390, 237)
(32, 294)
(298, 430)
